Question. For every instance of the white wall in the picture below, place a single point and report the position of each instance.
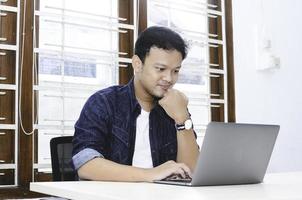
(271, 96)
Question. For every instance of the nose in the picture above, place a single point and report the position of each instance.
(168, 77)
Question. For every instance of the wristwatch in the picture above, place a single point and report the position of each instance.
(187, 125)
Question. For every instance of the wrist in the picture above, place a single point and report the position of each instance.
(147, 175)
(182, 118)
(186, 125)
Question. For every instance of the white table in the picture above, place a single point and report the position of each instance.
(275, 186)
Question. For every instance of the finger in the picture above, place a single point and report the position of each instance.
(181, 172)
(171, 161)
(186, 169)
(183, 96)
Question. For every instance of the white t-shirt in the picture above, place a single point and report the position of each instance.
(142, 151)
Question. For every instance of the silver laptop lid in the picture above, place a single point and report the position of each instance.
(234, 153)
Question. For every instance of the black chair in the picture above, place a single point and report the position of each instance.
(61, 154)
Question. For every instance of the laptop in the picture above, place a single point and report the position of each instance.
(232, 153)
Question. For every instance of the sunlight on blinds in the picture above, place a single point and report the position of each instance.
(76, 54)
(191, 20)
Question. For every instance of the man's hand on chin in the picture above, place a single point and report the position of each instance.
(175, 104)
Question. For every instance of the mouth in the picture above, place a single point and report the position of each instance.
(165, 87)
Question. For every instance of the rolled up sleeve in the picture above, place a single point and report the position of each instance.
(84, 156)
(91, 132)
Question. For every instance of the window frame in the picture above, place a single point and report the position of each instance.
(126, 44)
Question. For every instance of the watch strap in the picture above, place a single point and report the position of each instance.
(180, 127)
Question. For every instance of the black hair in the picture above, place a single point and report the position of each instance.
(160, 37)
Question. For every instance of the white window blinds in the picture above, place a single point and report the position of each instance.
(192, 20)
(76, 54)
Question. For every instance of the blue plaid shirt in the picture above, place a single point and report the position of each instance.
(107, 125)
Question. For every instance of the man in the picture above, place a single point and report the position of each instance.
(141, 131)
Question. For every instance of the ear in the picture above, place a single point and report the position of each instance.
(137, 64)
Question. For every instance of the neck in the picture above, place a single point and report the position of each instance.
(145, 100)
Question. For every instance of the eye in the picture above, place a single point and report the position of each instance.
(159, 68)
(176, 71)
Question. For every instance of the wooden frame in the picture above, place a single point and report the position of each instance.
(230, 61)
(126, 40)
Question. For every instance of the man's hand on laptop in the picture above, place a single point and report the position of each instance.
(167, 169)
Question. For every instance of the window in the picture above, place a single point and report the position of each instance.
(193, 20)
(76, 53)
(90, 48)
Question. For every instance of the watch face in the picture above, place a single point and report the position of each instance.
(188, 124)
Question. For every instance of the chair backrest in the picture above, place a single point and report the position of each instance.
(61, 154)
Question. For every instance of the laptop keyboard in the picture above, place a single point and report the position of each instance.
(178, 178)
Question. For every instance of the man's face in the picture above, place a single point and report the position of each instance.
(159, 72)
